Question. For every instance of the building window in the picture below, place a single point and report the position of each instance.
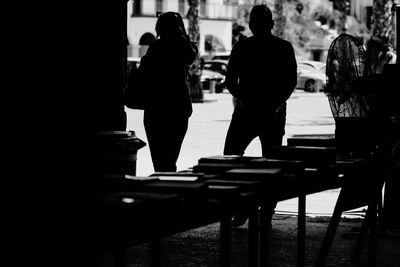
(203, 8)
(369, 16)
(137, 7)
(159, 5)
(213, 44)
(181, 7)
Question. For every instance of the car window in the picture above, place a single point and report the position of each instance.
(305, 67)
(208, 66)
(311, 67)
(224, 67)
(224, 57)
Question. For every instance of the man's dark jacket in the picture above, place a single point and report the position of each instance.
(262, 73)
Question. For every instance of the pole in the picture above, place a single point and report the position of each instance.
(194, 75)
(397, 32)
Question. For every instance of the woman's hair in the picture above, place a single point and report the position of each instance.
(169, 23)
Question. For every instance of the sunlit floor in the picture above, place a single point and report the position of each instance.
(307, 113)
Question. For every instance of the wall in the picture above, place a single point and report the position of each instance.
(358, 9)
(220, 29)
(138, 26)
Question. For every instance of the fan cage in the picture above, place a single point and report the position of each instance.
(346, 63)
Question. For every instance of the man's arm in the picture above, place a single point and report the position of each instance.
(290, 70)
(232, 74)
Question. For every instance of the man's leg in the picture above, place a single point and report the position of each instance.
(240, 133)
(271, 134)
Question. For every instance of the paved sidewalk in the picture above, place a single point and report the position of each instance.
(200, 248)
(307, 113)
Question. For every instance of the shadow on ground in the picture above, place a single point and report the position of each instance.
(199, 247)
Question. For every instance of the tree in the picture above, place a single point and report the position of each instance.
(341, 7)
(194, 75)
(379, 48)
(237, 33)
(276, 7)
(280, 18)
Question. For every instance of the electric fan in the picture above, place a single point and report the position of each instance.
(346, 64)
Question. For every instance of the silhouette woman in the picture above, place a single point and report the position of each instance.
(168, 105)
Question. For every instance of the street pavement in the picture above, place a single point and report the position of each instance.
(307, 113)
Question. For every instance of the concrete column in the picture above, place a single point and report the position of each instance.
(397, 32)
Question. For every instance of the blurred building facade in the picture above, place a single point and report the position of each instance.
(361, 10)
(216, 19)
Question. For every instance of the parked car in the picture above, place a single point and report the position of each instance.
(211, 73)
(311, 76)
(214, 70)
(217, 65)
(216, 55)
(209, 78)
(222, 55)
(133, 60)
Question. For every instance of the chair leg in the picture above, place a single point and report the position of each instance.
(372, 236)
(225, 242)
(370, 223)
(253, 237)
(375, 198)
(301, 230)
(380, 212)
(264, 235)
(332, 227)
(361, 236)
(120, 258)
(155, 252)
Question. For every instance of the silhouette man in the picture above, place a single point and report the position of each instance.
(261, 76)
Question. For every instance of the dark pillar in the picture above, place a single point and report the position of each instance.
(397, 32)
(110, 66)
(70, 79)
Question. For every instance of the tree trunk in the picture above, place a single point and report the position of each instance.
(379, 48)
(194, 75)
(341, 8)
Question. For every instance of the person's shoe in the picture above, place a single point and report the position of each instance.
(238, 220)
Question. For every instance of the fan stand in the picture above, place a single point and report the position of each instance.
(345, 202)
(369, 225)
